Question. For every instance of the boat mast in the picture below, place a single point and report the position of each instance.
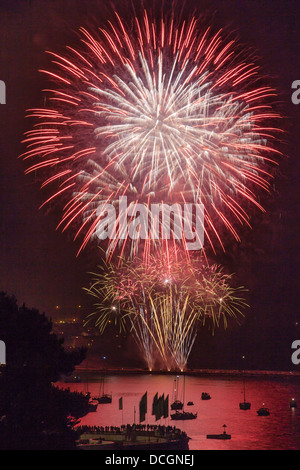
(175, 391)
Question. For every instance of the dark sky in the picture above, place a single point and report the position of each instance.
(37, 263)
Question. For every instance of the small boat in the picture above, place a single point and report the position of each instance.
(245, 405)
(190, 403)
(205, 396)
(103, 397)
(293, 403)
(177, 404)
(263, 411)
(224, 435)
(183, 415)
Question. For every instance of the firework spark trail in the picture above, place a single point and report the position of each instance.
(165, 302)
(178, 320)
(156, 111)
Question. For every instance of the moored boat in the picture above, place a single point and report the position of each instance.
(103, 397)
(205, 396)
(183, 415)
(177, 404)
(263, 411)
(245, 405)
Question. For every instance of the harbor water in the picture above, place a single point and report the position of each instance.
(278, 431)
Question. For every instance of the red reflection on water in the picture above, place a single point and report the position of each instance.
(280, 430)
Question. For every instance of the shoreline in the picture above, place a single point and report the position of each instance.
(191, 372)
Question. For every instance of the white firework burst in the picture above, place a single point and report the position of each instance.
(167, 112)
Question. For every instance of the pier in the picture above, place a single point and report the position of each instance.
(131, 437)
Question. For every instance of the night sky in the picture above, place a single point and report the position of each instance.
(39, 265)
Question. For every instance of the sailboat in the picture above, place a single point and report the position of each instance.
(245, 405)
(92, 406)
(183, 415)
(177, 404)
(103, 397)
(205, 396)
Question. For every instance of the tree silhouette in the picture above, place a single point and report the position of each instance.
(34, 413)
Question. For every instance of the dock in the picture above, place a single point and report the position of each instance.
(131, 437)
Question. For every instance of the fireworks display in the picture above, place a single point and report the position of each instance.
(157, 110)
(165, 302)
